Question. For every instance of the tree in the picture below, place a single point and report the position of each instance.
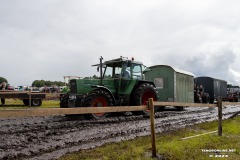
(2, 79)
(42, 83)
(38, 83)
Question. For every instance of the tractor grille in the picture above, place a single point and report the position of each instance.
(73, 86)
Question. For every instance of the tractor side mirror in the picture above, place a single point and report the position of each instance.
(146, 70)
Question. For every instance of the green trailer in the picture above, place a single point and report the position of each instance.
(173, 85)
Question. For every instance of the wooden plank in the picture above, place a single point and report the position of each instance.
(235, 114)
(230, 103)
(62, 111)
(20, 92)
(198, 135)
(84, 110)
(22, 95)
(13, 92)
(156, 103)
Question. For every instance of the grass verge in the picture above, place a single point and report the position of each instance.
(170, 146)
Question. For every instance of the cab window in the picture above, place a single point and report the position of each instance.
(137, 71)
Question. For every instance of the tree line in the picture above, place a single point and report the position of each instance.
(39, 83)
(2, 79)
(42, 83)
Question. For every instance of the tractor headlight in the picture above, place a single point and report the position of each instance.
(72, 97)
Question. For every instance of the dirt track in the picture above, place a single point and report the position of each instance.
(53, 136)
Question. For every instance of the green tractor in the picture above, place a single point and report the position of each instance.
(121, 83)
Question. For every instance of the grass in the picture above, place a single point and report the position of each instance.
(50, 104)
(170, 146)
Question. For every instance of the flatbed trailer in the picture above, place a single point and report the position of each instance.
(26, 96)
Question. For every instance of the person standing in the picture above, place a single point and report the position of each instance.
(3, 86)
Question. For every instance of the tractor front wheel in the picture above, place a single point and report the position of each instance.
(64, 101)
(97, 98)
(141, 95)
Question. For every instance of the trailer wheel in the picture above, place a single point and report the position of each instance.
(141, 95)
(97, 98)
(36, 102)
(3, 101)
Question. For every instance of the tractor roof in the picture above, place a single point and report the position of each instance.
(118, 61)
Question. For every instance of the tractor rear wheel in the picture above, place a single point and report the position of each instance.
(141, 95)
(97, 98)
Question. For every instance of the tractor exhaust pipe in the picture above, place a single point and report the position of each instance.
(101, 76)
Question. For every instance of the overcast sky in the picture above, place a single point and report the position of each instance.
(49, 39)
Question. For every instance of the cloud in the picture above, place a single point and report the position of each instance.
(51, 39)
(214, 62)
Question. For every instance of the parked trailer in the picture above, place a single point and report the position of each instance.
(36, 97)
(214, 87)
(173, 85)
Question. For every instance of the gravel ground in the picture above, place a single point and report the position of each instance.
(50, 137)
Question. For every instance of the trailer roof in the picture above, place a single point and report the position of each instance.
(204, 77)
(175, 69)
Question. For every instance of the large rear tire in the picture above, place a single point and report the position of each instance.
(97, 98)
(141, 95)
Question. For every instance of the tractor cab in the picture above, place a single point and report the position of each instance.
(121, 68)
(120, 76)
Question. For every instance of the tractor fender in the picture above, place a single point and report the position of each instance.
(106, 89)
(144, 81)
